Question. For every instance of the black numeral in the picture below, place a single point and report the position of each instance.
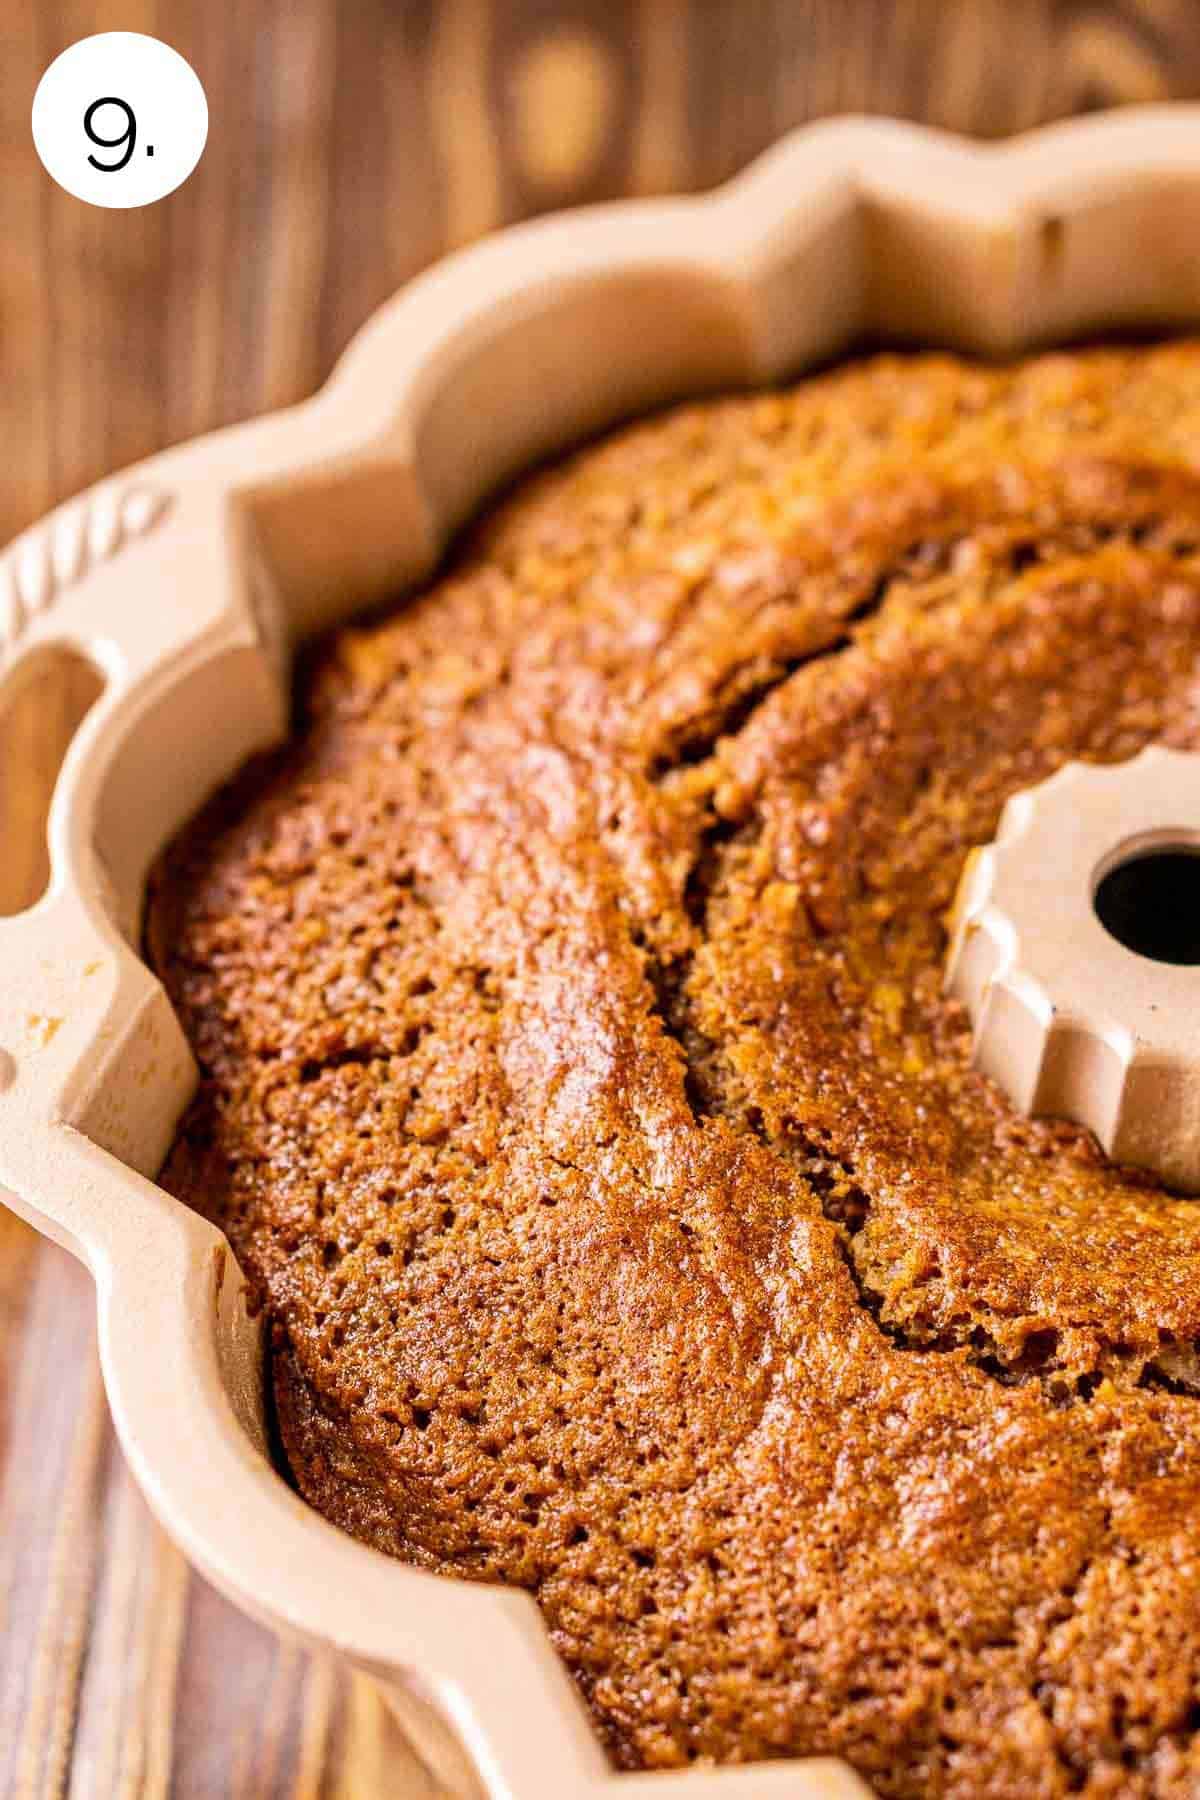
(128, 137)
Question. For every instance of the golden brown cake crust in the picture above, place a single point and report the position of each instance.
(579, 1094)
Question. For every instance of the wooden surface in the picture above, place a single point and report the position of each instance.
(349, 145)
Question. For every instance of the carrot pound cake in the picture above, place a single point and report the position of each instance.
(579, 1094)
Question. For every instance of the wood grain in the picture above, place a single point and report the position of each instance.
(349, 145)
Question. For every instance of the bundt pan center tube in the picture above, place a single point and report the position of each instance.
(189, 581)
(1085, 1010)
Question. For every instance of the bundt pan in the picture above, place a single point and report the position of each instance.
(189, 580)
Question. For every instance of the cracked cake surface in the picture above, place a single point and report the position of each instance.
(580, 1098)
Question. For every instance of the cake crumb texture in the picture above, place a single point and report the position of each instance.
(580, 1098)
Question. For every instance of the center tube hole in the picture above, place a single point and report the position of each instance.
(1150, 902)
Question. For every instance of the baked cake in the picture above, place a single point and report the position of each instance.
(580, 1097)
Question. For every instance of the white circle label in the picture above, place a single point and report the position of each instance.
(120, 119)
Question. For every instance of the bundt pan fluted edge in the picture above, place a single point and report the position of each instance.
(188, 580)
